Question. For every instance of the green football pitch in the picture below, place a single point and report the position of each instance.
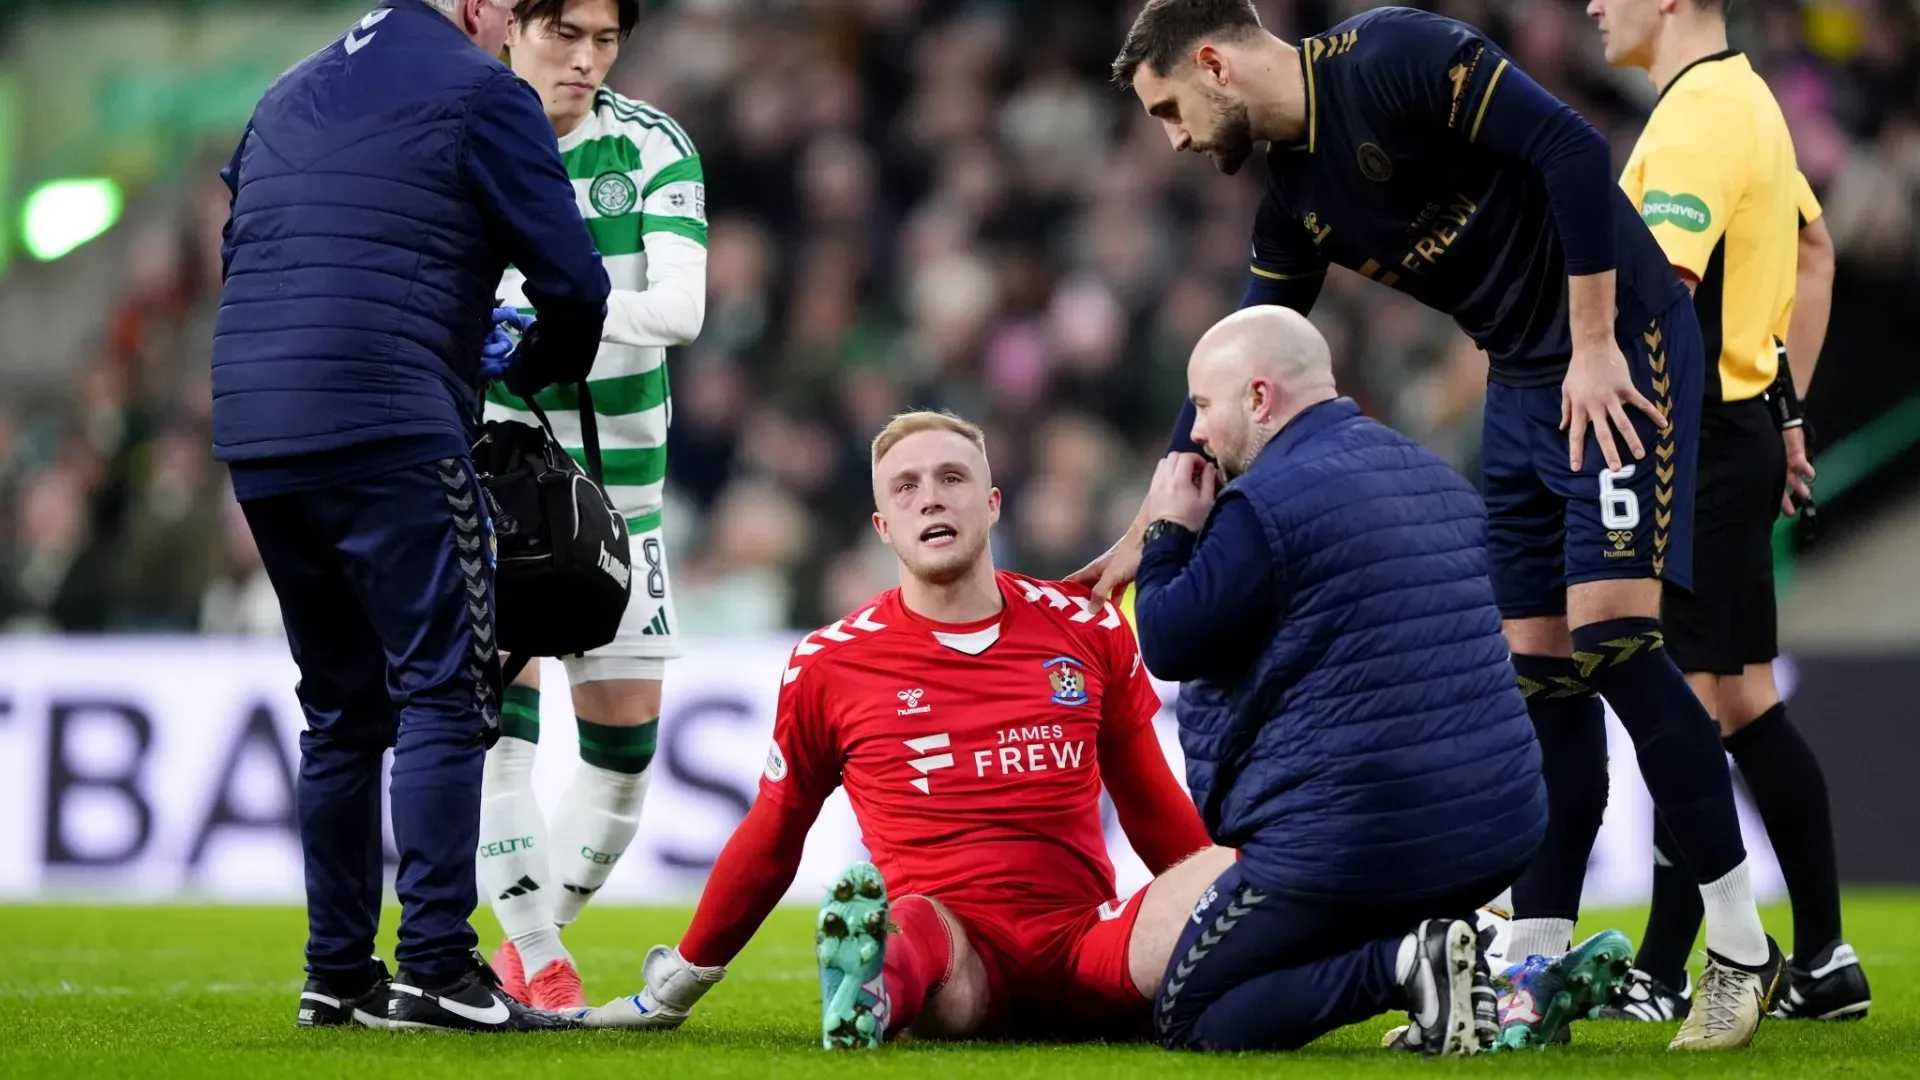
(94, 991)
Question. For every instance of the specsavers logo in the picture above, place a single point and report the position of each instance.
(1685, 211)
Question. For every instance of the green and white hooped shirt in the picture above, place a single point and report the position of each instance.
(641, 191)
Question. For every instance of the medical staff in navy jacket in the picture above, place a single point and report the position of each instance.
(380, 190)
(1348, 711)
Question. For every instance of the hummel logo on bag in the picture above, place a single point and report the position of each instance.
(614, 567)
(564, 571)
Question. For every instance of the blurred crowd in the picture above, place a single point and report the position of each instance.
(914, 203)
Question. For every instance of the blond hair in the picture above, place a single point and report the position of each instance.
(913, 423)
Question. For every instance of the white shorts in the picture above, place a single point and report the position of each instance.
(647, 639)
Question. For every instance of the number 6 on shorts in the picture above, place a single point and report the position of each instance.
(1619, 506)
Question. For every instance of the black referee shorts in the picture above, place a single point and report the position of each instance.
(1728, 620)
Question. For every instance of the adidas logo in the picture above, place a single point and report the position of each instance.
(519, 888)
(658, 627)
(615, 569)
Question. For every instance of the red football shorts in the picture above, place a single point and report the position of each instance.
(1059, 974)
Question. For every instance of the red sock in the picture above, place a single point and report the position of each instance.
(917, 958)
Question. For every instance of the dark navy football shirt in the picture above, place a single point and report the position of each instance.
(1425, 166)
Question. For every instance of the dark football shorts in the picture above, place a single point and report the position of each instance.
(1550, 527)
(1727, 620)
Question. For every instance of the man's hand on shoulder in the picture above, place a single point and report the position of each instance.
(673, 988)
(1112, 571)
(1110, 574)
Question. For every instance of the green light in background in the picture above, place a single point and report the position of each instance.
(60, 215)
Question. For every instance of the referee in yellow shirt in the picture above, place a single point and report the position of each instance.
(1716, 181)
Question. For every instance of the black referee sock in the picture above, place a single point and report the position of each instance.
(1674, 921)
(1674, 739)
(1790, 791)
(1571, 726)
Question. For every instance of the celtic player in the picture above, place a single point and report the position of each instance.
(639, 185)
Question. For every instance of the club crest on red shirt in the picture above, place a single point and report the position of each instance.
(1068, 679)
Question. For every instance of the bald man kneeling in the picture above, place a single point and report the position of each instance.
(1349, 714)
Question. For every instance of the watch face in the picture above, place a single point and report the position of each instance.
(1160, 528)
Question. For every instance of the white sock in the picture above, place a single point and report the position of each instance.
(1539, 937)
(1733, 922)
(592, 826)
(538, 948)
(513, 852)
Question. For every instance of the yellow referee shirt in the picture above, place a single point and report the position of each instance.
(1715, 178)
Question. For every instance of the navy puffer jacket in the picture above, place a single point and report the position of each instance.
(1379, 746)
(381, 189)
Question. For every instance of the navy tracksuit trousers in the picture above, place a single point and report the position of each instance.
(386, 588)
(1258, 970)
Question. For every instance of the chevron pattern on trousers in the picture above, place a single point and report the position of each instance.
(469, 537)
(1245, 899)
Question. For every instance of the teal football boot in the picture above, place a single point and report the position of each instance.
(1543, 996)
(850, 943)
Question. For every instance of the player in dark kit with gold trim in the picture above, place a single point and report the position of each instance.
(1716, 181)
(1409, 148)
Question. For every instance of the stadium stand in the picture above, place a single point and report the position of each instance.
(914, 203)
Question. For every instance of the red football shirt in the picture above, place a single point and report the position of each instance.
(970, 752)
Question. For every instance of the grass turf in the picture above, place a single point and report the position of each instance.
(210, 991)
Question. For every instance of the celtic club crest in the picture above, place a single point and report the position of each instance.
(613, 194)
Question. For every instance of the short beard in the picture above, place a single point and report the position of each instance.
(1232, 136)
(1236, 466)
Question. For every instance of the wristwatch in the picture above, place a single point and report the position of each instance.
(1164, 527)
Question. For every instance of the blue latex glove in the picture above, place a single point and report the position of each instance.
(497, 354)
